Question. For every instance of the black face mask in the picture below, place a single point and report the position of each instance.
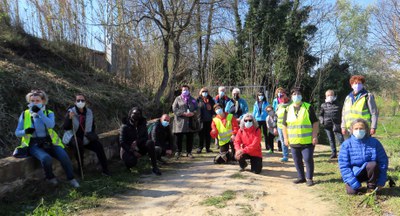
(136, 115)
(236, 97)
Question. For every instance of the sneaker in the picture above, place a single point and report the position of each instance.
(53, 181)
(333, 156)
(270, 151)
(178, 155)
(74, 183)
(106, 173)
(209, 151)
(156, 171)
(310, 182)
(298, 181)
(284, 159)
(189, 155)
(198, 151)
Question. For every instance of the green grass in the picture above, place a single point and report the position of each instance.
(220, 201)
(387, 200)
(38, 199)
(238, 175)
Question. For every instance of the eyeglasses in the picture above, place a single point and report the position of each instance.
(248, 120)
(80, 100)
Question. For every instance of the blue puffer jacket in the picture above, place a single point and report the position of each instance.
(243, 105)
(256, 111)
(354, 155)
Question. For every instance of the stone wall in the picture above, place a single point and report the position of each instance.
(14, 172)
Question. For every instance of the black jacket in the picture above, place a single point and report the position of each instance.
(162, 136)
(129, 133)
(206, 115)
(330, 111)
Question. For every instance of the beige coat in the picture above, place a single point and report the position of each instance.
(181, 123)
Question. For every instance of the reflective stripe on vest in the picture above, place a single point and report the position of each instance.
(354, 111)
(27, 137)
(280, 112)
(224, 132)
(299, 128)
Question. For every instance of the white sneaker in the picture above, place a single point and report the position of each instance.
(74, 183)
(52, 181)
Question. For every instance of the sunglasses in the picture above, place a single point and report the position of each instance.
(204, 91)
(79, 100)
(248, 120)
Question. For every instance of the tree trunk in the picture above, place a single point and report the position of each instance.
(165, 79)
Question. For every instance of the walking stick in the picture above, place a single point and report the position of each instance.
(77, 149)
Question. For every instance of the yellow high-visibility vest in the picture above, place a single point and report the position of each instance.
(224, 132)
(299, 127)
(354, 111)
(280, 112)
(27, 137)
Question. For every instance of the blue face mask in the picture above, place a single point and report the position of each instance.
(204, 94)
(248, 124)
(165, 123)
(39, 105)
(260, 97)
(219, 111)
(296, 99)
(359, 134)
(221, 94)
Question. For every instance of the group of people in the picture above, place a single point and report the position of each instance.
(237, 133)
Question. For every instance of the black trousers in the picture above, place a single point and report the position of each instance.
(369, 174)
(256, 163)
(204, 135)
(94, 146)
(262, 125)
(269, 145)
(225, 148)
(189, 141)
(147, 147)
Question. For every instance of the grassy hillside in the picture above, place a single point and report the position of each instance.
(29, 63)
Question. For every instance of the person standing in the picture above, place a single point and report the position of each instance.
(248, 144)
(284, 102)
(330, 117)
(35, 127)
(359, 104)
(185, 121)
(260, 114)
(221, 98)
(206, 104)
(362, 158)
(237, 105)
(300, 129)
(79, 121)
(272, 130)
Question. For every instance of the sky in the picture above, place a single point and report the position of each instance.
(95, 33)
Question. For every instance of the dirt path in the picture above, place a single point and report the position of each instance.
(181, 191)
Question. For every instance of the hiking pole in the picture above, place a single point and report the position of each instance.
(77, 149)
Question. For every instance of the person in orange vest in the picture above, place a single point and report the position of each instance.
(224, 127)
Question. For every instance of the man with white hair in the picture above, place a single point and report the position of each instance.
(237, 106)
(221, 98)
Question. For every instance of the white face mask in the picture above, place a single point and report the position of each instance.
(80, 105)
(330, 99)
(248, 124)
(260, 97)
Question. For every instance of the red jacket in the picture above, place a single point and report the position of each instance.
(249, 141)
(235, 126)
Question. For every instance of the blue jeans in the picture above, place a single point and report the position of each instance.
(45, 158)
(285, 149)
(332, 141)
(305, 152)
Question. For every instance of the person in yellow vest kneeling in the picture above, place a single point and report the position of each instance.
(300, 129)
(35, 127)
(359, 104)
(224, 126)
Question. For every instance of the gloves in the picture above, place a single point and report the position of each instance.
(35, 109)
(29, 130)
